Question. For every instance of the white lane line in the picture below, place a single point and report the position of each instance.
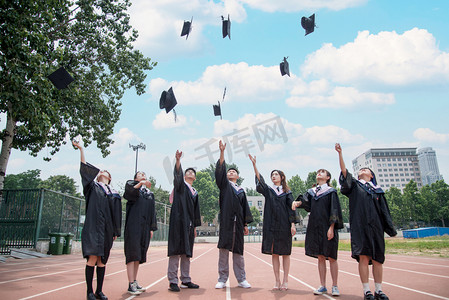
(418, 263)
(289, 275)
(81, 282)
(383, 282)
(160, 279)
(228, 290)
(403, 270)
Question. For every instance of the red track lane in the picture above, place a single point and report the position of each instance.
(62, 277)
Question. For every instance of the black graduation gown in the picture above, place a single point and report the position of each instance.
(324, 211)
(103, 216)
(234, 212)
(278, 217)
(184, 217)
(369, 218)
(140, 220)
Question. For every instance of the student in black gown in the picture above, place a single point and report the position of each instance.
(278, 222)
(184, 217)
(369, 218)
(322, 230)
(139, 226)
(234, 218)
(102, 224)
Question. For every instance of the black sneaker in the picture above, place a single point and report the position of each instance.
(189, 285)
(100, 295)
(380, 296)
(174, 287)
(369, 296)
(133, 290)
(138, 287)
(91, 296)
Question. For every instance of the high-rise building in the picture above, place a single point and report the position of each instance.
(429, 166)
(392, 166)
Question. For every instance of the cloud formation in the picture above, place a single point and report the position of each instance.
(430, 136)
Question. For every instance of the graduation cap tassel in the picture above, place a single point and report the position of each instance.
(174, 112)
(224, 94)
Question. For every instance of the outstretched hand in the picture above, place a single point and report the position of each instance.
(253, 159)
(76, 144)
(178, 155)
(338, 147)
(221, 146)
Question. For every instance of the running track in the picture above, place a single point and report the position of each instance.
(62, 277)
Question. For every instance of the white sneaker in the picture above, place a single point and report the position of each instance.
(244, 284)
(335, 291)
(220, 285)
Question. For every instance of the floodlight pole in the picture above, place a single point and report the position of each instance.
(136, 148)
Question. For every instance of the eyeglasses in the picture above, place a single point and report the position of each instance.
(190, 172)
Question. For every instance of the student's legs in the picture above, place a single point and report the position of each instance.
(334, 271)
(223, 265)
(322, 269)
(377, 274)
(89, 272)
(286, 266)
(364, 272)
(238, 264)
(131, 270)
(185, 269)
(172, 272)
(276, 269)
(136, 269)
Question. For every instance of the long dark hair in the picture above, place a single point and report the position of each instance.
(328, 174)
(284, 184)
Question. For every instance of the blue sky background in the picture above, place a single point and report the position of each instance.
(374, 74)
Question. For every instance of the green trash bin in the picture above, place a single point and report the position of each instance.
(68, 243)
(56, 243)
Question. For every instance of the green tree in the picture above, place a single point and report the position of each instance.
(396, 204)
(256, 216)
(344, 201)
(298, 187)
(441, 191)
(208, 193)
(411, 198)
(93, 40)
(252, 192)
(311, 180)
(60, 183)
(162, 198)
(27, 180)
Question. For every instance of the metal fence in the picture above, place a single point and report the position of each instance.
(29, 215)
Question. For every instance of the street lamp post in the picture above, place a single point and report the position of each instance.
(136, 148)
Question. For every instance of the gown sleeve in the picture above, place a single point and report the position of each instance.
(220, 175)
(291, 213)
(116, 213)
(346, 183)
(153, 223)
(196, 212)
(131, 194)
(305, 201)
(261, 186)
(178, 179)
(335, 216)
(88, 173)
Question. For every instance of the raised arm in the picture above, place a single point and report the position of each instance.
(253, 160)
(78, 145)
(178, 159)
(222, 149)
(340, 157)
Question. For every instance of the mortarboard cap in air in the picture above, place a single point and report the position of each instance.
(308, 24)
(60, 78)
(186, 28)
(168, 100)
(226, 28)
(284, 67)
(217, 110)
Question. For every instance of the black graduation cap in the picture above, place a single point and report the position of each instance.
(217, 110)
(60, 78)
(284, 67)
(308, 24)
(226, 28)
(168, 101)
(186, 28)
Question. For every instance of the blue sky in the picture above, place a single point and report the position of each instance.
(374, 74)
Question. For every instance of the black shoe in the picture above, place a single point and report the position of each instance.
(100, 295)
(369, 296)
(174, 287)
(380, 296)
(189, 285)
(91, 296)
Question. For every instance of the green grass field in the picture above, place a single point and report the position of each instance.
(431, 246)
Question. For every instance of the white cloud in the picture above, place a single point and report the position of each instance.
(244, 83)
(330, 133)
(159, 23)
(428, 135)
(320, 94)
(164, 120)
(386, 58)
(300, 5)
